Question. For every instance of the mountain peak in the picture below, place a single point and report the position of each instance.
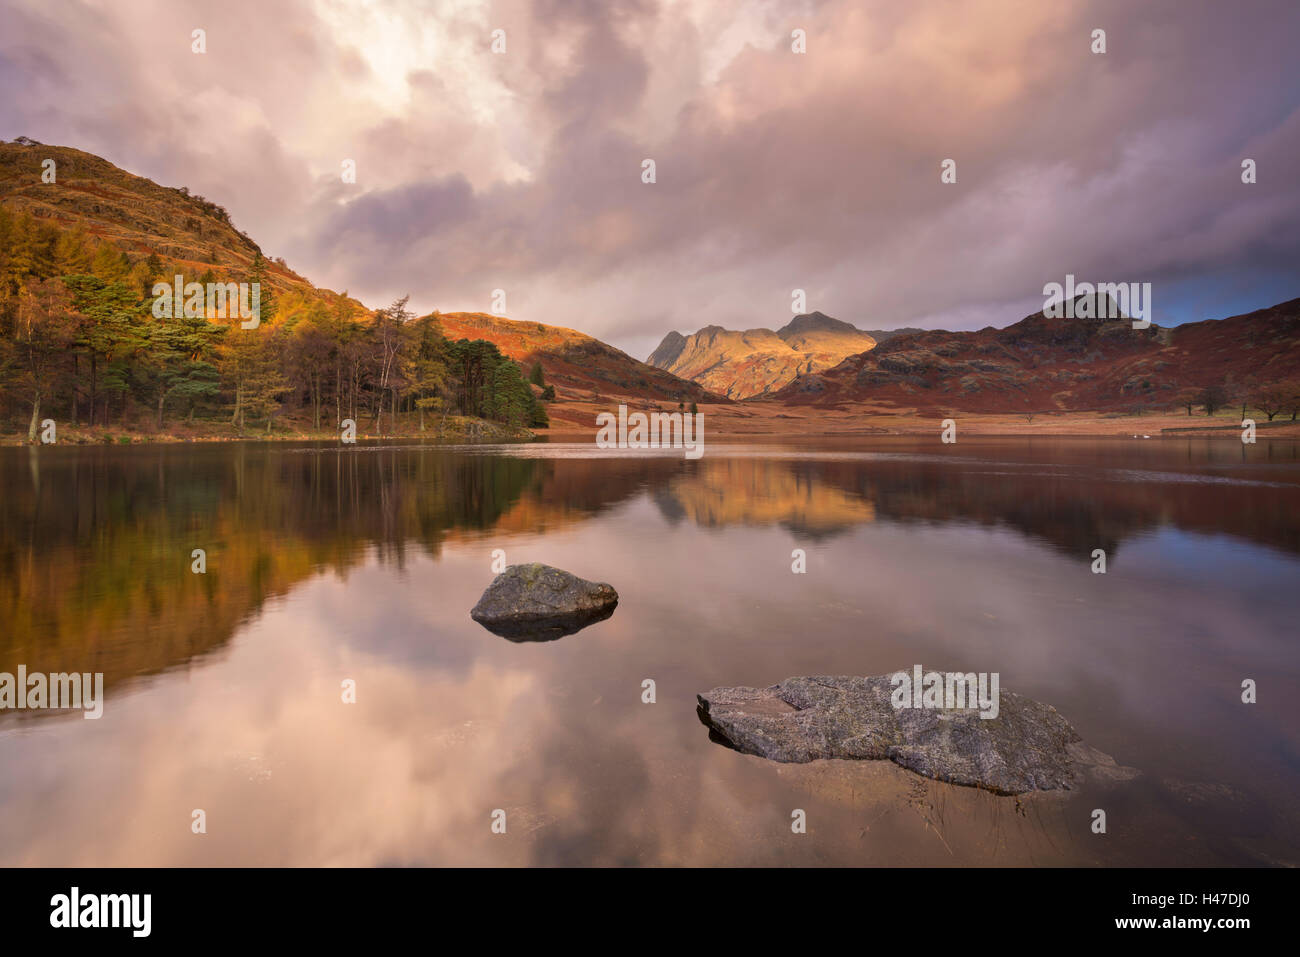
(666, 352)
(745, 363)
(814, 321)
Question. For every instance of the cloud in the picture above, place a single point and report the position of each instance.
(775, 170)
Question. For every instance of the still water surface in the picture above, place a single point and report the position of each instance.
(327, 563)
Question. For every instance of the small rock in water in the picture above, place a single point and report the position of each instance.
(536, 602)
(1027, 747)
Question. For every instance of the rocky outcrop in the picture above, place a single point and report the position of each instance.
(753, 362)
(536, 602)
(666, 354)
(1029, 746)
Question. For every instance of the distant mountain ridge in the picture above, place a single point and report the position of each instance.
(884, 335)
(755, 362)
(1042, 364)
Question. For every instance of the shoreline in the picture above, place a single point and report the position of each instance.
(730, 422)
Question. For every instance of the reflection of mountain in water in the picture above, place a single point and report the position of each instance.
(1074, 510)
(762, 492)
(95, 543)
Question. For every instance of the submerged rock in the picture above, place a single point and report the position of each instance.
(1027, 747)
(536, 602)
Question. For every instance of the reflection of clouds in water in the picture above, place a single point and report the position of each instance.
(395, 778)
(933, 564)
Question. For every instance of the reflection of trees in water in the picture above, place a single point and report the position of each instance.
(95, 543)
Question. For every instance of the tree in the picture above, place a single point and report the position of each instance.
(1213, 397)
(426, 371)
(176, 362)
(310, 353)
(389, 332)
(536, 377)
(1187, 399)
(1273, 398)
(266, 296)
(248, 363)
(26, 252)
(1246, 391)
(1291, 388)
(45, 329)
(109, 262)
(108, 314)
(340, 326)
(491, 386)
(247, 359)
(72, 255)
(264, 384)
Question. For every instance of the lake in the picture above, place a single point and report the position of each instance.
(326, 565)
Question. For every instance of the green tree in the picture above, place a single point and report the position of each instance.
(426, 371)
(176, 362)
(108, 331)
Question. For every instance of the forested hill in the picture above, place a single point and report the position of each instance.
(96, 200)
(82, 344)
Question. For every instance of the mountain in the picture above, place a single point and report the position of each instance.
(755, 362)
(1042, 364)
(884, 335)
(579, 366)
(137, 218)
(94, 198)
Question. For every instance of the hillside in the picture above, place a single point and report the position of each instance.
(1043, 364)
(578, 365)
(884, 335)
(80, 256)
(756, 362)
(85, 347)
(93, 197)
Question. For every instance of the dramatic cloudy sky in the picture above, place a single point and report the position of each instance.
(776, 171)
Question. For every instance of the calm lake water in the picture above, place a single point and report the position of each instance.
(326, 564)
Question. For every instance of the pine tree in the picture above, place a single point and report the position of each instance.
(109, 329)
(176, 362)
(109, 263)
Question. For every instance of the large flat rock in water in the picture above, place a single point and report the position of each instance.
(537, 602)
(1027, 747)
